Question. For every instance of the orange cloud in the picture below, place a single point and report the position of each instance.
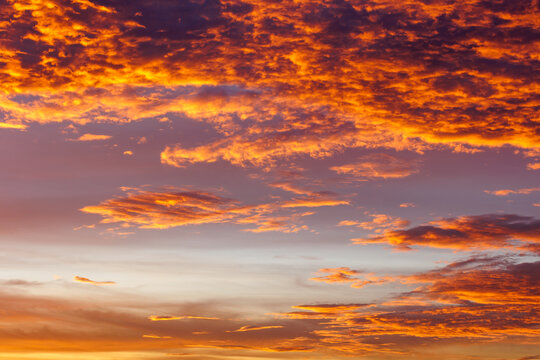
(153, 336)
(379, 222)
(93, 137)
(256, 328)
(474, 300)
(357, 279)
(378, 166)
(4, 125)
(165, 209)
(288, 186)
(342, 274)
(92, 282)
(481, 300)
(507, 192)
(168, 318)
(315, 200)
(406, 205)
(491, 231)
(429, 84)
(178, 207)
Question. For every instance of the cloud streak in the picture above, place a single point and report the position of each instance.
(92, 282)
(378, 166)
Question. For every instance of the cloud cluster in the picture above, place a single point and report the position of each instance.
(305, 78)
(477, 299)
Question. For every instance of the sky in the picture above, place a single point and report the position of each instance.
(266, 179)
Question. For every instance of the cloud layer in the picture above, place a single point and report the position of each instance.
(301, 79)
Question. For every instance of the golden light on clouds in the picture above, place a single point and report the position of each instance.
(269, 179)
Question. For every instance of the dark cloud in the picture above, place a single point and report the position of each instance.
(490, 231)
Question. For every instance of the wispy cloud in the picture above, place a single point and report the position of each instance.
(93, 137)
(183, 317)
(256, 328)
(378, 166)
(174, 207)
(506, 192)
(92, 282)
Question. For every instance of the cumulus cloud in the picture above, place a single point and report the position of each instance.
(269, 78)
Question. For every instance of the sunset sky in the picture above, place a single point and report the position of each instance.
(267, 179)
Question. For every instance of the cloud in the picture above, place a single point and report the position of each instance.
(483, 280)
(174, 207)
(378, 166)
(406, 205)
(19, 282)
(184, 317)
(412, 75)
(342, 274)
(378, 222)
(162, 210)
(256, 328)
(92, 282)
(480, 299)
(490, 231)
(289, 186)
(357, 279)
(268, 145)
(153, 336)
(4, 125)
(93, 137)
(506, 192)
(315, 200)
